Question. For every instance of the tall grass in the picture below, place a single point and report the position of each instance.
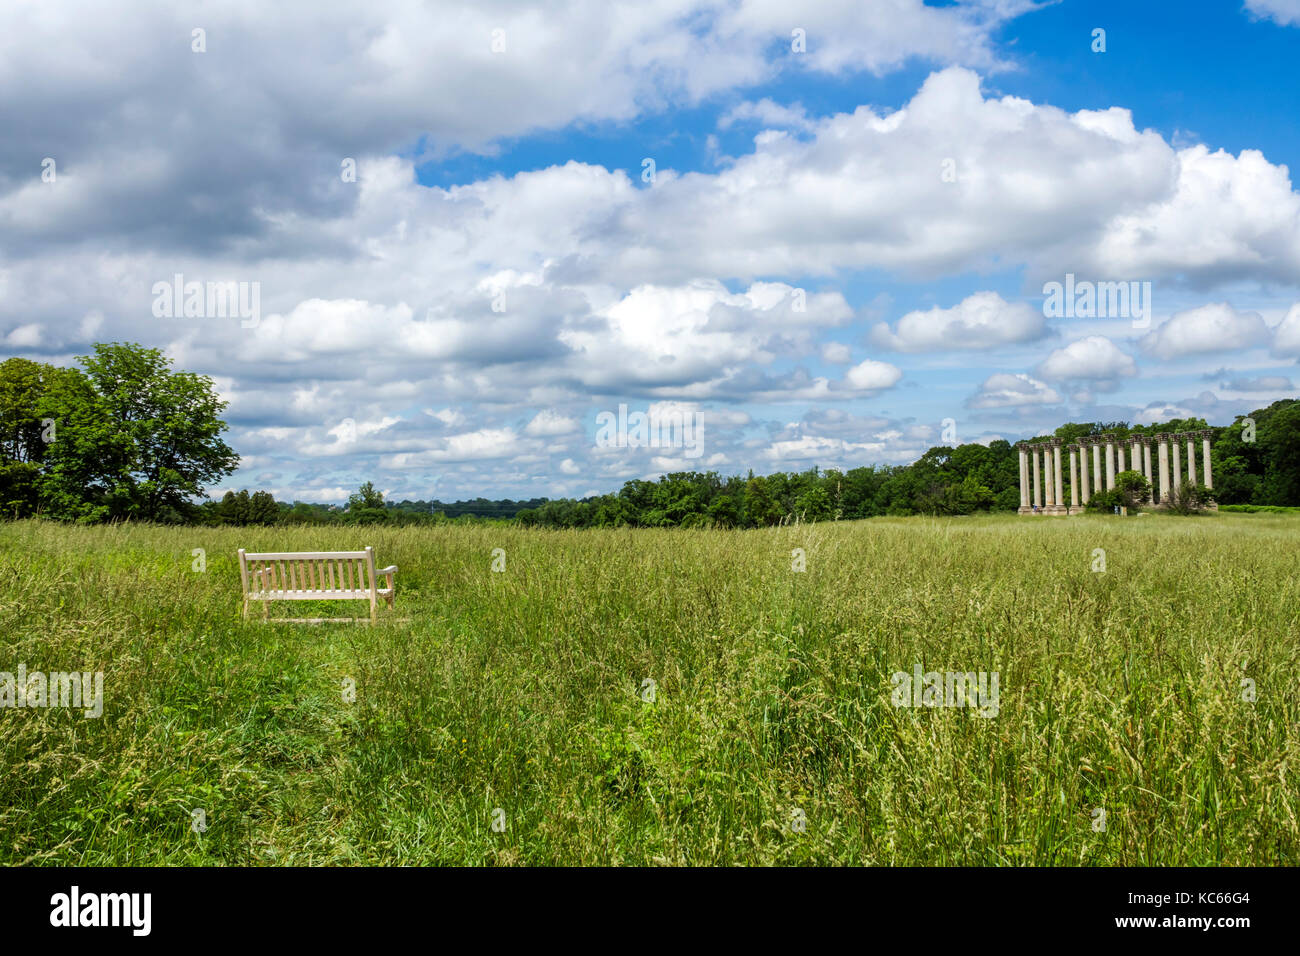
(527, 691)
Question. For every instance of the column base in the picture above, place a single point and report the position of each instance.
(1051, 511)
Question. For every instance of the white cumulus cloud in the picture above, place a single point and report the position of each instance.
(1004, 390)
(1093, 359)
(1216, 327)
(980, 321)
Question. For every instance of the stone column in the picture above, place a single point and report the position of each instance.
(1110, 461)
(1096, 464)
(1144, 453)
(1047, 477)
(1083, 472)
(1162, 454)
(1038, 486)
(1074, 478)
(1205, 448)
(1191, 460)
(1024, 478)
(1058, 499)
(1119, 458)
(1178, 462)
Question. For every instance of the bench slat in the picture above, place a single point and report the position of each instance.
(303, 555)
(310, 595)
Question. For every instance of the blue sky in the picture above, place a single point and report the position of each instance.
(843, 248)
(1204, 71)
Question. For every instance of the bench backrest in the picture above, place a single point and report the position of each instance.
(340, 573)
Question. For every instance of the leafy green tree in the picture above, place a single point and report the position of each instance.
(814, 504)
(725, 512)
(1132, 489)
(367, 496)
(1257, 464)
(262, 509)
(240, 508)
(233, 510)
(675, 497)
(968, 496)
(782, 488)
(20, 488)
(1279, 441)
(366, 505)
(22, 435)
(861, 488)
(134, 439)
(761, 509)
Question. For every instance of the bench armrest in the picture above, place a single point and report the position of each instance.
(391, 569)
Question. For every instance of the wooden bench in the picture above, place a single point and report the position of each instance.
(313, 576)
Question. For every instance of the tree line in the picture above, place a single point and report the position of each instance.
(1256, 461)
(125, 437)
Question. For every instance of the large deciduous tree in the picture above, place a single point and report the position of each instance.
(134, 438)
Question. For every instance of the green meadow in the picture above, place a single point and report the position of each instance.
(665, 697)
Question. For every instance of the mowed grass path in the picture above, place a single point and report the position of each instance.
(523, 691)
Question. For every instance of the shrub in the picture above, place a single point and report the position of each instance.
(1132, 488)
(1189, 498)
(1105, 501)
